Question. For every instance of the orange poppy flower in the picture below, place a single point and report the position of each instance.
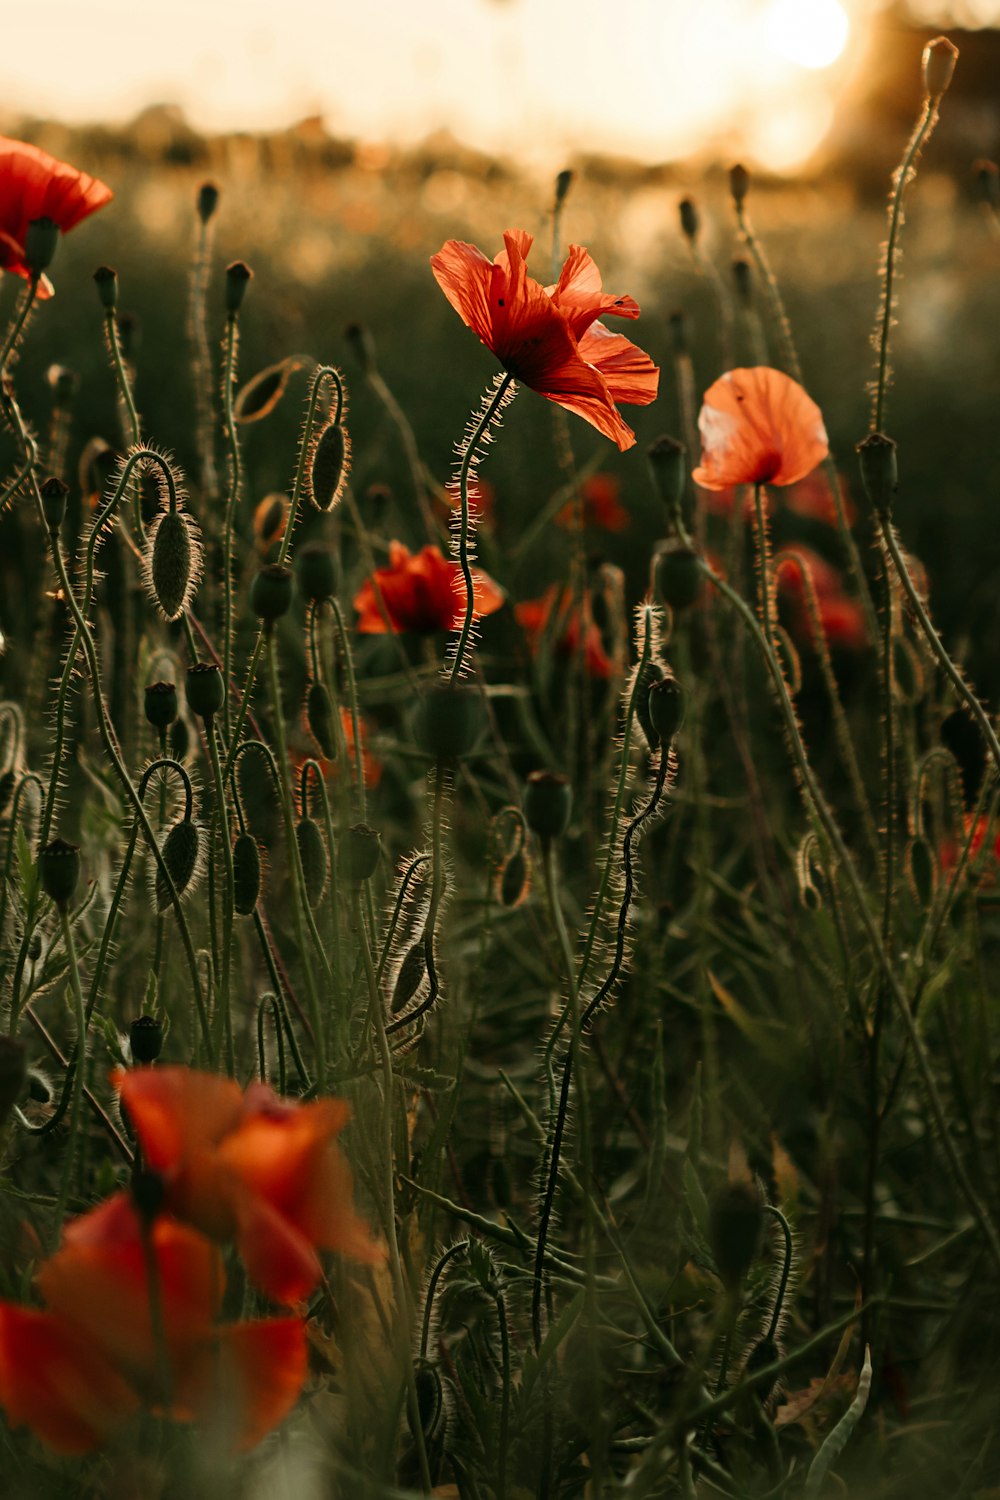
(79, 1371)
(34, 185)
(758, 427)
(533, 616)
(601, 507)
(420, 592)
(252, 1168)
(549, 337)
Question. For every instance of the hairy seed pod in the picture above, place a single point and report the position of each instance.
(319, 719)
(679, 578)
(260, 396)
(271, 592)
(160, 704)
(514, 880)
(312, 853)
(173, 561)
(412, 973)
(548, 803)
(448, 720)
(59, 869)
(246, 874)
(666, 708)
(316, 567)
(205, 689)
(180, 851)
(651, 674)
(329, 466)
(430, 1399)
(145, 1036)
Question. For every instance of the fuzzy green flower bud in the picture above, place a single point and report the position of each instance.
(180, 850)
(329, 466)
(668, 466)
(666, 708)
(879, 472)
(54, 493)
(106, 281)
(312, 854)
(208, 201)
(40, 244)
(238, 278)
(360, 849)
(938, 66)
(271, 592)
(564, 181)
(246, 874)
(145, 1038)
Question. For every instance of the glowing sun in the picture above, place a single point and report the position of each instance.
(811, 33)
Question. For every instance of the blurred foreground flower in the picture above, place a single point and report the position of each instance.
(34, 185)
(758, 427)
(252, 1168)
(548, 337)
(534, 616)
(78, 1372)
(421, 592)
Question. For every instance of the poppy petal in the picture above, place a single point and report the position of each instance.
(54, 1381)
(245, 1379)
(465, 276)
(580, 296)
(628, 371)
(758, 426)
(278, 1257)
(177, 1112)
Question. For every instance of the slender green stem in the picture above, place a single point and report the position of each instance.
(229, 377)
(69, 1161)
(228, 894)
(18, 323)
(470, 451)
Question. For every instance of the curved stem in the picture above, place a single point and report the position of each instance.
(491, 410)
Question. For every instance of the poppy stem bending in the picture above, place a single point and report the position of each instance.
(477, 433)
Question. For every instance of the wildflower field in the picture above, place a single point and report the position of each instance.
(498, 897)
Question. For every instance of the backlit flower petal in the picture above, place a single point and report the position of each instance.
(628, 372)
(465, 276)
(54, 1381)
(758, 426)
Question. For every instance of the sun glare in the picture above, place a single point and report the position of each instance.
(812, 33)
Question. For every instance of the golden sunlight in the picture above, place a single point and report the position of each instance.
(812, 33)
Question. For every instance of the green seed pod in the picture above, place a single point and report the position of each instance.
(208, 201)
(205, 689)
(412, 973)
(938, 66)
(59, 868)
(312, 853)
(319, 719)
(180, 850)
(743, 280)
(8, 781)
(160, 704)
(666, 708)
(260, 396)
(271, 592)
(145, 1036)
(329, 466)
(735, 1228)
(360, 850)
(238, 278)
(431, 1409)
(316, 567)
(515, 878)
(173, 560)
(678, 574)
(448, 720)
(548, 803)
(246, 874)
(40, 244)
(106, 281)
(54, 494)
(13, 1074)
(651, 674)
(879, 471)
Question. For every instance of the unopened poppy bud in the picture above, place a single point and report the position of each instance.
(678, 576)
(938, 66)
(160, 704)
(13, 1073)
(269, 521)
(448, 720)
(40, 244)
(668, 465)
(59, 869)
(238, 278)
(739, 183)
(258, 398)
(360, 339)
(690, 218)
(205, 689)
(666, 708)
(312, 854)
(174, 562)
(879, 472)
(39, 1088)
(271, 593)
(208, 200)
(179, 850)
(651, 673)
(547, 803)
(329, 466)
(735, 1227)
(564, 181)
(360, 848)
(743, 280)
(316, 567)
(988, 182)
(145, 1038)
(246, 875)
(180, 739)
(63, 382)
(412, 972)
(106, 281)
(319, 718)
(54, 493)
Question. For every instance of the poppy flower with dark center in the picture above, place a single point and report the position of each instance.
(549, 337)
(251, 1168)
(758, 426)
(34, 185)
(420, 592)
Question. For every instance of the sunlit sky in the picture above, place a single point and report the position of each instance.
(653, 78)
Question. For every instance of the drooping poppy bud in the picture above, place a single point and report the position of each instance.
(360, 849)
(54, 494)
(160, 704)
(312, 854)
(40, 244)
(180, 850)
(238, 278)
(666, 708)
(879, 471)
(329, 466)
(735, 1228)
(938, 66)
(246, 875)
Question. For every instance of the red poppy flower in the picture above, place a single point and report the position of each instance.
(842, 618)
(758, 427)
(533, 616)
(549, 337)
(252, 1168)
(989, 863)
(78, 1371)
(34, 185)
(601, 507)
(420, 592)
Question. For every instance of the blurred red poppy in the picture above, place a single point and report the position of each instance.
(252, 1168)
(34, 185)
(533, 616)
(549, 337)
(758, 427)
(601, 507)
(420, 592)
(841, 617)
(76, 1373)
(975, 830)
